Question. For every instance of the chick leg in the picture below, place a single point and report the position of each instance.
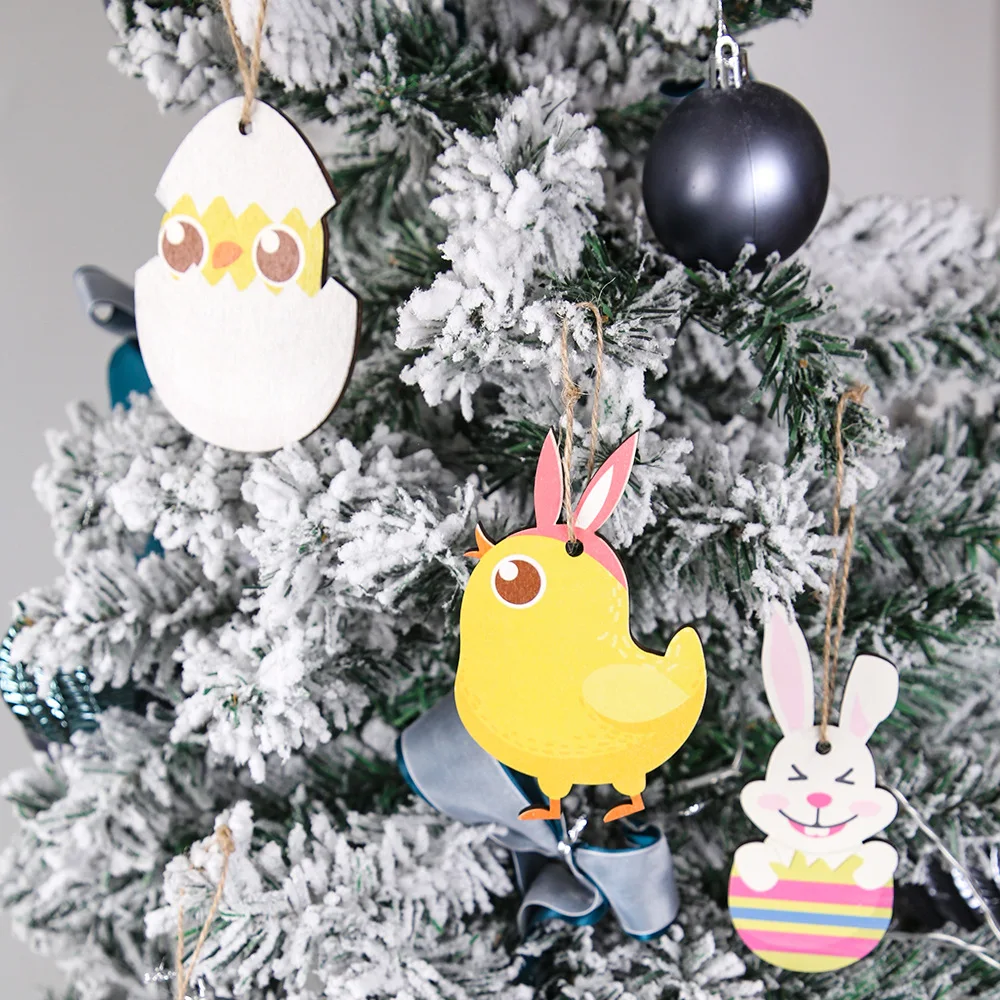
(554, 811)
(554, 789)
(625, 809)
(633, 787)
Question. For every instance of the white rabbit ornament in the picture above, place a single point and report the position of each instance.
(814, 896)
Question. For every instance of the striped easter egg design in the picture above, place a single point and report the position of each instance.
(816, 919)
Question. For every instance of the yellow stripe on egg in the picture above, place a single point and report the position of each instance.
(826, 930)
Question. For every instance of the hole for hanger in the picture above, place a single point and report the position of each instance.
(823, 747)
(574, 548)
(246, 128)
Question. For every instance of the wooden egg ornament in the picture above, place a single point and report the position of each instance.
(550, 681)
(816, 894)
(245, 343)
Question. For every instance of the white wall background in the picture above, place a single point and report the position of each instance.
(906, 91)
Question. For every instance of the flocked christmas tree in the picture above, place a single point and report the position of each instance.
(254, 666)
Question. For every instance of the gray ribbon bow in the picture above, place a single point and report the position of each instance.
(110, 303)
(557, 874)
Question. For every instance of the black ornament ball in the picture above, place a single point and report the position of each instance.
(732, 166)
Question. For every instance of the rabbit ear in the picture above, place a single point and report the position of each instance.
(606, 488)
(869, 695)
(787, 668)
(548, 484)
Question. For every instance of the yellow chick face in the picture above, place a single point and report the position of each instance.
(247, 247)
(550, 680)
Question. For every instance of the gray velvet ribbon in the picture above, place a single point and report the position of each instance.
(558, 875)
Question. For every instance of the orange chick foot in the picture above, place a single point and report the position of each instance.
(625, 809)
(554, 811)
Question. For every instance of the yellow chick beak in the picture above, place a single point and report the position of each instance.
(226, 253)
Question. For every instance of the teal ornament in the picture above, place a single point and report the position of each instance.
(127, 374)
(70, 706)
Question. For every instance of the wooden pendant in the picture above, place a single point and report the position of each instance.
(550, 681)
(816, 893)
(245, 343)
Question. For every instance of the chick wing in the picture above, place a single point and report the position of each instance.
(632, 692)
(641, 692)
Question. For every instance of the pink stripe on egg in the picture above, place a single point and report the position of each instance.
(816, 892)
(808, 944)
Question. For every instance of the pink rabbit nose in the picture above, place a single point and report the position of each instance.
(819, 799)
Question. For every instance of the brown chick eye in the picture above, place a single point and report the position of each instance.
(518, 581)
(181, 245)
(278, 255)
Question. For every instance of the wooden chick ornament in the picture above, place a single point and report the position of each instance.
(245, 342)
(816, 894)
(550, 681)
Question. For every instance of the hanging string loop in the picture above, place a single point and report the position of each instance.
(837, 592)
(224, 838)
(249, 68)
(571, 394)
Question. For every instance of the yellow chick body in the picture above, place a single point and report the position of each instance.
(550, 681)
(560, 690)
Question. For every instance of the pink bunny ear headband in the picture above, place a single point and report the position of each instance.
(594, 507)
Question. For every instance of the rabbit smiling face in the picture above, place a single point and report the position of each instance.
(816, 803)
(811, 802)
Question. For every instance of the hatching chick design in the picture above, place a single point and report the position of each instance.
(245, 344)
(550, 681)
(248, 247)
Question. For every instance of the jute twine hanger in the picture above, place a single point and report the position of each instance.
(249, 69)
(571, 394)
(224, 838)
(841, 570)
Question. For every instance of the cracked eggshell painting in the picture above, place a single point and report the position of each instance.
(245, 343)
